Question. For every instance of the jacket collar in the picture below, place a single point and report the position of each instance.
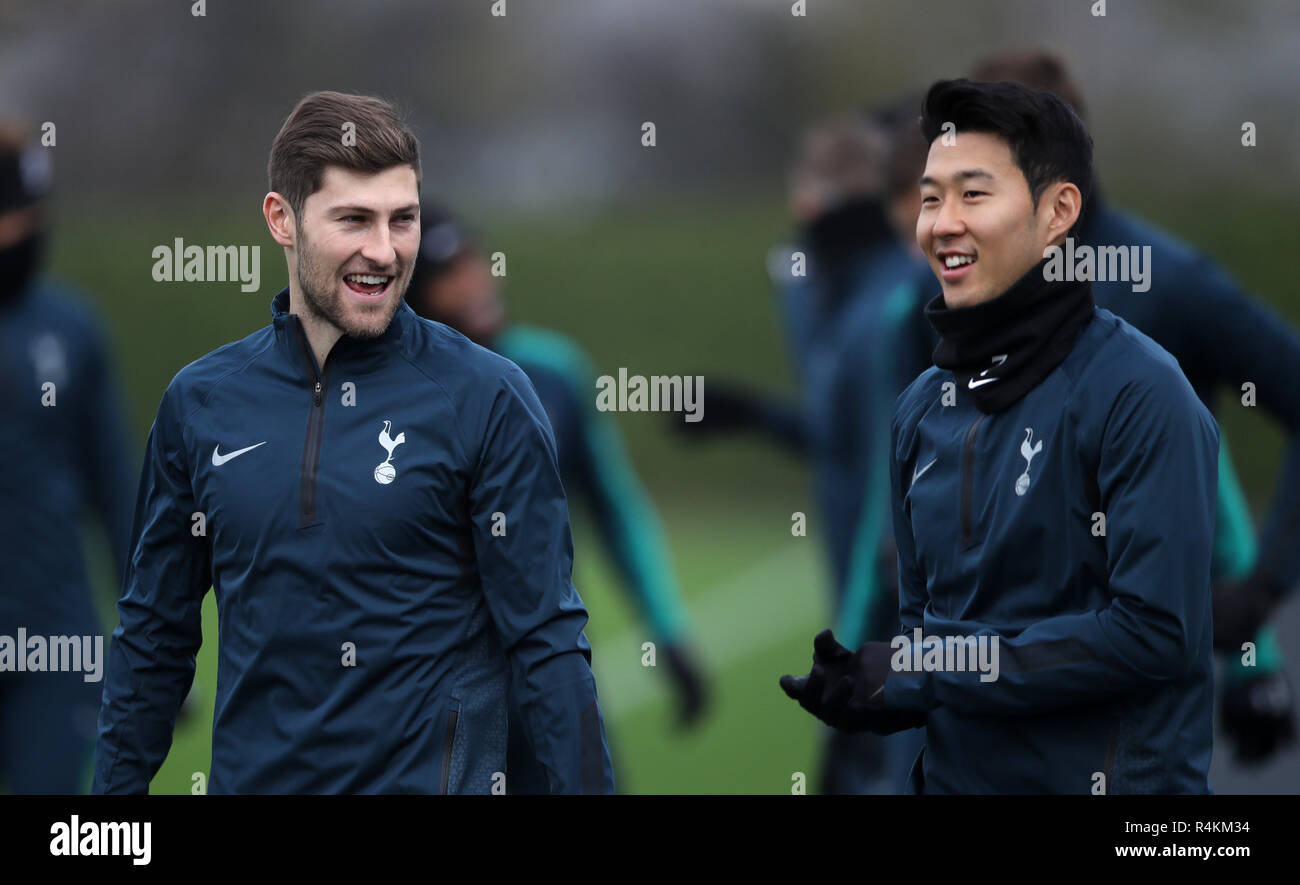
(359, 353)
(1002, 348)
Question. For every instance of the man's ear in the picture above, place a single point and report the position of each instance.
(279, 219)
(1063, 203)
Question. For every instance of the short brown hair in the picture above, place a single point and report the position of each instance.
(1035, 68)
(312, 138)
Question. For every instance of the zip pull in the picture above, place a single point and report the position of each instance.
(315, 396)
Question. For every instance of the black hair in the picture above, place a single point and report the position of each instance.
(1048, 140)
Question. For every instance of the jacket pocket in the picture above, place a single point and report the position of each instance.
(450, 721)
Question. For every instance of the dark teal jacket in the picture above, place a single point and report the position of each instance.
(1104, 667)
(388, 541)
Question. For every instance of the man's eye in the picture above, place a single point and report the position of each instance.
(353, 218)
(925, 200)
(975, 193)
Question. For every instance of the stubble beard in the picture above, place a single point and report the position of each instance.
(322, 300)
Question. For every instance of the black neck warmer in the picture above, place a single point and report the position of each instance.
(836, 241)
(1001, 349)
(18, 265)
(848, 229)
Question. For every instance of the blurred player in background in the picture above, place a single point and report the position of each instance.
(854, 319)
(1222, 337)
(453, 284)
(63, 452)
(849, 292)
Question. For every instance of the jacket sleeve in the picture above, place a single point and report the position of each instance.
(1157, 479)
(1238, 340)
(626, 518)
(152, 657)
(525, 557)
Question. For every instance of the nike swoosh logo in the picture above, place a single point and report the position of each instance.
(218, 459)
(972, 384)
(917, 474)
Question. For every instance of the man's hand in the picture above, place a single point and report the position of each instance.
(846, 689)
(1256, 715)
(1241, 608)
(692, 688)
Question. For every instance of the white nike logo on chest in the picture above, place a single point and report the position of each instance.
(218, 459)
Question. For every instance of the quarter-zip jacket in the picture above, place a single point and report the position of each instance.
(1076, 526)
(388, 541)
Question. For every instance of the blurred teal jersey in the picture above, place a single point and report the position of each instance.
(594, 466)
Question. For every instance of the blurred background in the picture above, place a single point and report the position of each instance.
(650, 258)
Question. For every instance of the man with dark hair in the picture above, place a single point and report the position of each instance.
(1053, 482)
(376, 502)
(63, 453)
(1222, 337)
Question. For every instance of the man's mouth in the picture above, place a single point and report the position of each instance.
(955, 265)
(368, 284)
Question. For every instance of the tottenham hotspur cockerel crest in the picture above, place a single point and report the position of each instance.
(386, 472)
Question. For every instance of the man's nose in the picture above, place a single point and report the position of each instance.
(950, 221)
(378, 248)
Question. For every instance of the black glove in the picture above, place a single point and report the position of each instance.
(1241, 608)
(1256, 715)
(692, 690)
(727, 408)
(846, 689)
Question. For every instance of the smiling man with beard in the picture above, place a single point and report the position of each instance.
(376, 503)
